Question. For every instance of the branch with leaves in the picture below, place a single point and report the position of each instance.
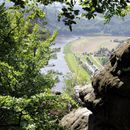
(88, 9)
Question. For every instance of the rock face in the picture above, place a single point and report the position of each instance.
(109, 100)
(109, 96)
(76, 119)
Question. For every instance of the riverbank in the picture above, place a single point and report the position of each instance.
(59, 64)
(79, 54)
(81, 75)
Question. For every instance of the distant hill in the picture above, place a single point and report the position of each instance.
(117, 26)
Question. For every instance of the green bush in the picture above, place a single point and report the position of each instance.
(26, 102)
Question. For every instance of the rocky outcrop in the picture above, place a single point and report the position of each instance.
(76, 119)
(109, 96)
(110, 104)
(112, 91)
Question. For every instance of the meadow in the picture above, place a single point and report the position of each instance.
(80, 52)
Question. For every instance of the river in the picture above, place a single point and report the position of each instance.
(59, 65)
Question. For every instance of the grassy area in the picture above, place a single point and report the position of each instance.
(67, 49)
(95, 61)
(74, 54)
(80, 73)
(102, 60)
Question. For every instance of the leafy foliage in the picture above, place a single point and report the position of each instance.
(23, 52)
(90, 9)
(39, 111)
(26, 102)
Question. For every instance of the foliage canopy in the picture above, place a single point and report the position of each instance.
(26, 102)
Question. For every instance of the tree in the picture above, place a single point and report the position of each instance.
(26, 101)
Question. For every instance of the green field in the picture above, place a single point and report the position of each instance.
(80, 51)
(80, 73)
(102, 60)
(95, 61)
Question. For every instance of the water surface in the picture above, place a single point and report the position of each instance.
(59, 65)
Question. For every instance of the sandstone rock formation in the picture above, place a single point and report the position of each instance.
(76, 119)
(109, 96)
(112, 93)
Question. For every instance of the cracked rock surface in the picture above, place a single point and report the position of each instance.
(76, 119)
